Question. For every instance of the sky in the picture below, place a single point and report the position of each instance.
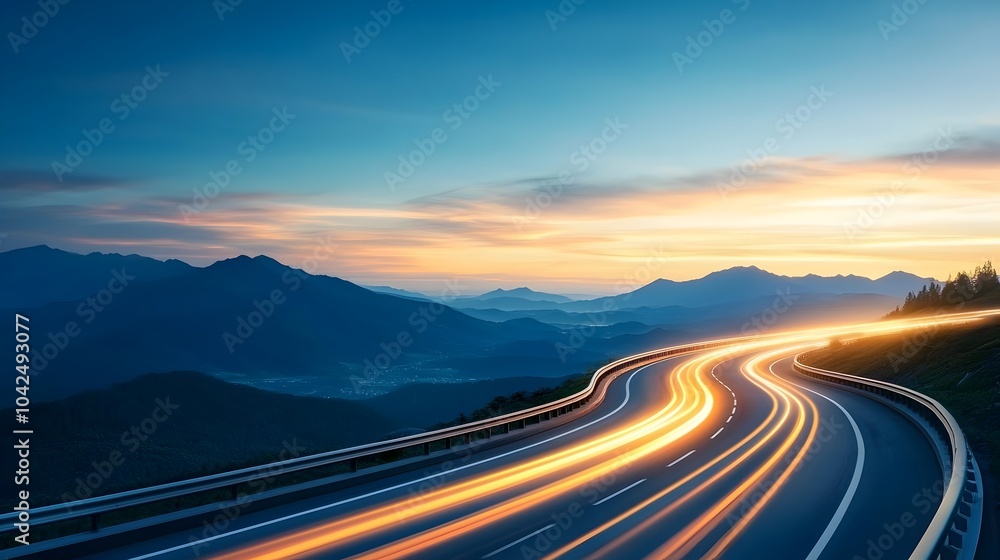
(568, 147)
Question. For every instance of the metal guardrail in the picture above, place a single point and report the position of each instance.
(945, 538)
(94, 508)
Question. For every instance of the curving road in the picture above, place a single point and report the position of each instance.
(717, 454)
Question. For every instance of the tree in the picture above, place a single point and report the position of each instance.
(965, 289)
(934, 294)
(985, 279)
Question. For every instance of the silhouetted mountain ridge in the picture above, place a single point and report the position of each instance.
(34, 276)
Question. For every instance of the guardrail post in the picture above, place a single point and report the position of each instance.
(354, 464)
(236, 491)
(95, 522)
(447, 443)
(467, 439)
(427, 448)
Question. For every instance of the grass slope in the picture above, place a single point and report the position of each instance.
(960, 368)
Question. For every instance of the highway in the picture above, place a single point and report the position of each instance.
(723, 453)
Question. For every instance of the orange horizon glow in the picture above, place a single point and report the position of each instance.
(793, 217)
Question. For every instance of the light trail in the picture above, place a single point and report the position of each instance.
(671, 428)
(689, 404)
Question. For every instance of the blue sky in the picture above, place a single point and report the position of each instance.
(354, 119)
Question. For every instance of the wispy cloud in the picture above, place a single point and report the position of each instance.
(790, 217)
(35, 181)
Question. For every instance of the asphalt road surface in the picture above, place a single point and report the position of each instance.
(717, 454)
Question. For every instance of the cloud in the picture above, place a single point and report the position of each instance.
(35, 181)
(791, 216)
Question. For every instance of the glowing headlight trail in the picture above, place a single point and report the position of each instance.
(693, 403)
(685, 540)
(792, 467)
(676, 503)
(696, 367)
(682, 543)
(690, 404)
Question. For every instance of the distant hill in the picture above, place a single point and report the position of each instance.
(720, 318)
(523, 293)
(211, 426)
(259, 319)
(253, 316)
(518, 299)
(422, 405)
(896, 284)
(398, 292)
(744, 283)
(505, 304)
(34, 276)
(182, 323)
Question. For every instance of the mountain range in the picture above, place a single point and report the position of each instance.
(106, 318)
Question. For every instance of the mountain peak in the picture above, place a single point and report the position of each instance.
(739, 271)
(523, 292)
(235, 263)
(37, 250)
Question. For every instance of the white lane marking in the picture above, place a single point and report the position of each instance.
(717, 433)
(519, 541)
(730, 420)
(734, 400)
(620, 492)
(734, 410)
(682, 458)
(628, 395)
(859, 466)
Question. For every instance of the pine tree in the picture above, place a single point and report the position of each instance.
(934, 295)
(985, 279)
